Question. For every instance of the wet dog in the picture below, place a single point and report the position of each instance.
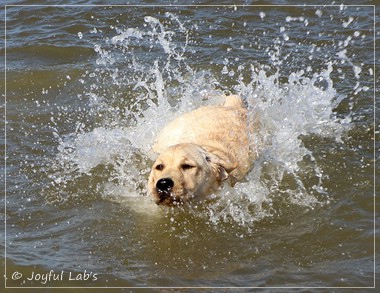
(198, 151)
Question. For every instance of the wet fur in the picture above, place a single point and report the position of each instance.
(201, 149)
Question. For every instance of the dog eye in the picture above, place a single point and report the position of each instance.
(159, 167)
(187, 167)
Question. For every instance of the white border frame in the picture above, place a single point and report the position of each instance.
(191, 5)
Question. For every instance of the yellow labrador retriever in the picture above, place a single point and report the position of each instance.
(198, 151)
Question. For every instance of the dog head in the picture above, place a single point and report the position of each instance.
(186, 171)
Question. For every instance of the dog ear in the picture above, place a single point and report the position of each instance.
(221, 164)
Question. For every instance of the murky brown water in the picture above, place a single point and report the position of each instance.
(88, 86)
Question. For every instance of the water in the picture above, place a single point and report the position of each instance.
(88, 87)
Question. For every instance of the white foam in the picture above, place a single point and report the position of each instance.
(286, 111)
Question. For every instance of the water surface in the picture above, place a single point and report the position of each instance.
(87, 88)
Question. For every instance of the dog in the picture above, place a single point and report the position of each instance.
(200, 150)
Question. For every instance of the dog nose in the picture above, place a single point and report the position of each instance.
(164, 186)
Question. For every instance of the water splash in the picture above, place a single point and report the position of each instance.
(162, 85)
